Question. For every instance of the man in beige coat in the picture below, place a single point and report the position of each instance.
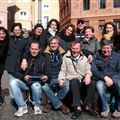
(77, 70)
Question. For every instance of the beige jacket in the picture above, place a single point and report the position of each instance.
(68, 71)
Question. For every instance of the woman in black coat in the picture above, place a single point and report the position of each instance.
(110, 32)
(4, 41)
(67, 36)
(53, 27)
(36, 33)
(18, 45)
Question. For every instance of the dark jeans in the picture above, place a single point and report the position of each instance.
(82, 92)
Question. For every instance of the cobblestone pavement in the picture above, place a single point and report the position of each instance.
(7, 111)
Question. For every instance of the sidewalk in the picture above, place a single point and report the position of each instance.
(7, 112)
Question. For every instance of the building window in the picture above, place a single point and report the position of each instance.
(117, 23)
(116, 3)
(45, 21)
(102, 4)
(46, 18)
(86, 23)
(101, 24)
(86, 4)
(23, 0)
(23, 15)
(46, 7)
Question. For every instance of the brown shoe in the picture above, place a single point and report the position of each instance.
(47, 108)
(64, 109)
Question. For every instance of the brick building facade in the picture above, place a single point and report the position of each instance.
(95, 13)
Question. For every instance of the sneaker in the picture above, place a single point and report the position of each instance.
(21, 111)
(47, 108)
(105, 113)
(37, 110)
(116, 114)
(64, 109)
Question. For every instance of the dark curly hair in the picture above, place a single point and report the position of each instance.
(56, 21)
(115, 31)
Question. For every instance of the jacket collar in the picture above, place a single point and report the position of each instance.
(61, 50)
(68, 54)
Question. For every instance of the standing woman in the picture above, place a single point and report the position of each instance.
(4, 41)
(53, 28)
(17, 47)
(67, 36)
(36, 33)
(90, 42)
(111, 33)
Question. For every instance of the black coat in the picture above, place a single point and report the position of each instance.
(116, 43)
(41, 67)
(17, 47)
(3, 54)
(66, 40)
(33, 37)
(44, 38)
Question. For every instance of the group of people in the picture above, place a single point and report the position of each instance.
(57, 63)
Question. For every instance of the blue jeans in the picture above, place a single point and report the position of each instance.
(16, 86)
(102, 92)
(116, 80)
(55, 99)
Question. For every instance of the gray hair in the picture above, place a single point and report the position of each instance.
(104, 42)
(53, 37)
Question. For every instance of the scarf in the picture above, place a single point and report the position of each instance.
(53, 33)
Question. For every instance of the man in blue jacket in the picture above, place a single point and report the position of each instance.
(106, 70)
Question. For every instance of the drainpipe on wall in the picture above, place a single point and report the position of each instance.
(39, 11)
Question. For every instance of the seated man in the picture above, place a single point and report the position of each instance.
(54, 53)
(37, 66)
(106, 70)
(76, 70)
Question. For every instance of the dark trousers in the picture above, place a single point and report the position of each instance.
(88, 93)
(82, 92)
(75, 90)
(0, 87)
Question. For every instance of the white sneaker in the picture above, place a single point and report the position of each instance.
(37, 110)
(116, 114)
(21, 111)
(105, 113)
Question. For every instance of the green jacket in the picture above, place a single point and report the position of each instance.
(93, 45)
